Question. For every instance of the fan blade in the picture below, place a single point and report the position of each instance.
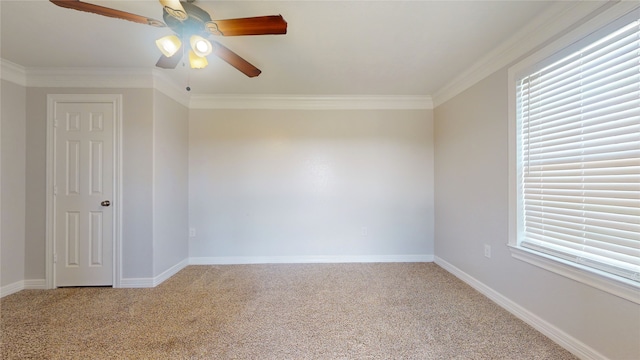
(261, 25)
(105, 11)
(235, 60)
(170, 62)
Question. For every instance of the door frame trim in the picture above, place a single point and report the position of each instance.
(116, 102)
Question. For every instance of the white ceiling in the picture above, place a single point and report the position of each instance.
(332, 47)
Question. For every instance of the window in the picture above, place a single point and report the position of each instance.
(577, 156)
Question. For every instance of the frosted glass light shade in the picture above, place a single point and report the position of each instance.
(197, 62)
(201, 46)
(169, 45)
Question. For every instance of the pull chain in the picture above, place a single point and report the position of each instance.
(184, 64)
(188, 79)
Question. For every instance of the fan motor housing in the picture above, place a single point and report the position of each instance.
(194, 24)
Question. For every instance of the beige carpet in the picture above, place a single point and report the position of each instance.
(300, 311)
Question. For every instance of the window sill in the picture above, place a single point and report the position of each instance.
(621, 287)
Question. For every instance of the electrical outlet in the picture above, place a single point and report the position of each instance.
(364, 231)
(487, 250)
(192, 232)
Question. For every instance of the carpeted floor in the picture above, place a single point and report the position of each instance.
(297, 311)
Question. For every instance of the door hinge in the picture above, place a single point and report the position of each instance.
(55, 258)
(55, 123)
(55, 190)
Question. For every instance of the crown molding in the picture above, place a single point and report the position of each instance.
(311, 102)
(13, 72)
(76, 77)
(90, 77)
(158, 80)
(557, 19)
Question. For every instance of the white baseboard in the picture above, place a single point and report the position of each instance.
(36, 284)
(170, 272)
(11, 288)
(576, 347)
(136, 283)
(231, 260)
(155, 281)
(237, 260)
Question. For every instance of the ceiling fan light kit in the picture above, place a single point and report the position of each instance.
(201, 46)
(169, 45)
(197, 62)
(188, 21)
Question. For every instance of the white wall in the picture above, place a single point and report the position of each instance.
(471, 167)
(311, 184)
(170, 183)
(13, 172)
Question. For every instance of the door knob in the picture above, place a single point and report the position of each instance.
(105, 203)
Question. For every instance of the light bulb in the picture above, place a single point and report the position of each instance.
(201, 46)
(169, 47)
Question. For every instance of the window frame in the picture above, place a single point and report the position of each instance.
(582, 35)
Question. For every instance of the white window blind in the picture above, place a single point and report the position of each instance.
(579, 158)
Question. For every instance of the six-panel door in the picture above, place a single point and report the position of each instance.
(83, 187)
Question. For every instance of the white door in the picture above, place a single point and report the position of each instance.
(83, 193)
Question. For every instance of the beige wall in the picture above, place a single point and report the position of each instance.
(362, 182)
(13, 173)
(137, 179)
(471, 204)
(154, 145)
(295, 184)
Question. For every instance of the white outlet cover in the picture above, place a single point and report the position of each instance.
(487, 250)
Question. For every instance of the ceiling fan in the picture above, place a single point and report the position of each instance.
(193, 25)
